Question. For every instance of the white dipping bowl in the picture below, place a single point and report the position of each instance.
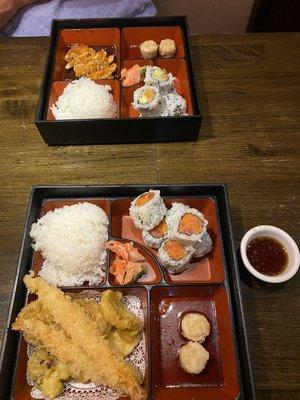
(287, 242)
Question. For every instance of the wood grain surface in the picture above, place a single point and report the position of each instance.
(249, 87)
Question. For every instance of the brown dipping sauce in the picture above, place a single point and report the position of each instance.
(267, 255)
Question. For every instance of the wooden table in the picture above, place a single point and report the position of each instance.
(249, 90)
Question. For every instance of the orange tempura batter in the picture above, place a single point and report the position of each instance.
(159, 230)
(190, 224)
(144, 198)
(175, 250)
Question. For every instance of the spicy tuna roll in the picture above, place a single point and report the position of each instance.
(146, 100)
(204, 246)
(155, 236)
(174, 256)
(147, 210)
(157, 76)
(186, 224)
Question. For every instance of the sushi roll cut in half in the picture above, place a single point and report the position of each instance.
(155, 236)
(146, 100)
(187, 225)
(159, 77)
(173, 105)
(174, 256)
(147, 210)
(204, 246)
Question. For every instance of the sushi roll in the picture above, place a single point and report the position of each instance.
(167, 48)
(147, 210)
(155, 236)
(204, 246)
(187, 224)
(159, 77)
(146, 100)
(149, 49)
(174, 256)
(173, 105)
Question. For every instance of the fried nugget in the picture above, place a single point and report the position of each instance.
(47, 372)
(115, 312)
(90, 63)
(124, 347)
(103, 73)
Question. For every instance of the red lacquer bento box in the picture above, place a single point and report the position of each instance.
(210, 287)
(121, 39)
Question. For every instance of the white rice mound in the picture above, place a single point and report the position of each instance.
(83, 99)
(72, 241)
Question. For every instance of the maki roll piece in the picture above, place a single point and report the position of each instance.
(159, 77)
(187, 224)
(204, 246)
(173, 105)
(174, 256)
(147, 100)
(147, 210)
(155, 236)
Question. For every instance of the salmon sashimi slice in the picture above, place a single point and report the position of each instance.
(190, 224)
(175, 250)
(129, 263)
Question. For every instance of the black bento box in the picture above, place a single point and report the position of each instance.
(217, 196)
(126, 127)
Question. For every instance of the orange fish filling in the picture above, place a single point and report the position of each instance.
(159, 230)
(144, 198)
(190, 224)
(175, 250)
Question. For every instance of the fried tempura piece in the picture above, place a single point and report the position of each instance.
(115, 312)
(47, 372)
(78, 54)
(90, 63)
(107, 365)
(93, 309)
(123, 347)
(103, 73)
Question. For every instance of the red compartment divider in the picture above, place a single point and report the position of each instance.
(219, 378)
(97, 38)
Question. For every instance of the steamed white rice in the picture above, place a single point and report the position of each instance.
(72, 241)
(82, 99)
